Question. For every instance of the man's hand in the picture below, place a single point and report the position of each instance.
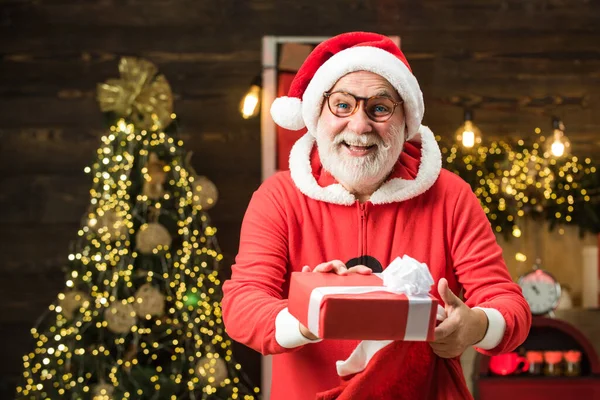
(463, 327)
(337, 267)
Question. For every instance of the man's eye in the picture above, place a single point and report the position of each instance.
(343, 106)
(379, 109)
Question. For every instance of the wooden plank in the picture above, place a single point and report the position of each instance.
(19, 337)
(26, 297)
(35, 247)
(82, 112)
(44, 199)
(95, 45)
(67, 150)
(229, 14)
(49, 150)
(74, 78)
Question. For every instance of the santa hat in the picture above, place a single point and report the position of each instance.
(336, 57)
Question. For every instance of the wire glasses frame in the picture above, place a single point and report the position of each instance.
(377, 108)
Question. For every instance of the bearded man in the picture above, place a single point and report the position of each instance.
(366, 186)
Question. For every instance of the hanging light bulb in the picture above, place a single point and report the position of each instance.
(468, 134)
(250, 104)
(558, 145)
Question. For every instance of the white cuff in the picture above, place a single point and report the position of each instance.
(495, 330)
(287, 331)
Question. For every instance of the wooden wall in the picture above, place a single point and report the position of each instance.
(514, 59)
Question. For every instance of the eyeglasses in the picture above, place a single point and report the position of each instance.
(377, 108)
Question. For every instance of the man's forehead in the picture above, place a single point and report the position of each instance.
(364, 80)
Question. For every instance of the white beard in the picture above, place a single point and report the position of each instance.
(360, 174)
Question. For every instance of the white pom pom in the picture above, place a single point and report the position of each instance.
(287, 113)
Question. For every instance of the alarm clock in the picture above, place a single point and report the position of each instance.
(541, 290)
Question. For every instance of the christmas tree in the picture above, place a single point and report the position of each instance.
(140, 315)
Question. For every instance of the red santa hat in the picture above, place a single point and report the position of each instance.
(336, 57)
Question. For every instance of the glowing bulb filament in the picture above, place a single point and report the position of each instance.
(249, 106)
(557, 148)
(468, 139)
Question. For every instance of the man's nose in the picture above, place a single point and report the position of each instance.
(359, 122)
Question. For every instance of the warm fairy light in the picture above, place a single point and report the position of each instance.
(516, 231)
(520, 257)
(105, 270)
(521, 179)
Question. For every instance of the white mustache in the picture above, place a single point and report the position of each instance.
(354, 139)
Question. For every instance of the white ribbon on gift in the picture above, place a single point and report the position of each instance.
(404, 275)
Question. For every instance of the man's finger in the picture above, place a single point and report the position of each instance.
(446, 328)
(332, 266)
(339, 267)
(449, 298)
(325, 267)
(360, 269)
(444, 352)
(440, 347)
(306, 268)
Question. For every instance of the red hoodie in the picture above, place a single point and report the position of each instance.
(304, 217)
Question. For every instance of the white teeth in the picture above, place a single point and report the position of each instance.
(358, 145)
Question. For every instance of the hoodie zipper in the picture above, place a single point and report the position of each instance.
(362, 234)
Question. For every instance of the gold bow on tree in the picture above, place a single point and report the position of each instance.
(139, 95)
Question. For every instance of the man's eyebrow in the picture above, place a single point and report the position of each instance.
(386, 92)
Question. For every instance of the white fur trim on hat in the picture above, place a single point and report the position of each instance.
(364, 58)
(394, 190)
(287, 113)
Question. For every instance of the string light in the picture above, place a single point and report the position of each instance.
(514, 180)
(107, 271)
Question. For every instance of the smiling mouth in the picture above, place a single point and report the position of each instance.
(355, 147)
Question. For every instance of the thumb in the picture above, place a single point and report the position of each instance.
(449, 298)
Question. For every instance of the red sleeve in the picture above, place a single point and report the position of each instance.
(480, 269)
(252, 298)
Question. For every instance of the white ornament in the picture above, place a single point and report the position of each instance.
(207, 368)
(72, 302)
(156, 171)
(153, 191)
(151, 236)
(205, 192)
(109, 221)
(149, 301)
(120, 317)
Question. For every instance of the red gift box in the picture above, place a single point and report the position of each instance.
(321, 302)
